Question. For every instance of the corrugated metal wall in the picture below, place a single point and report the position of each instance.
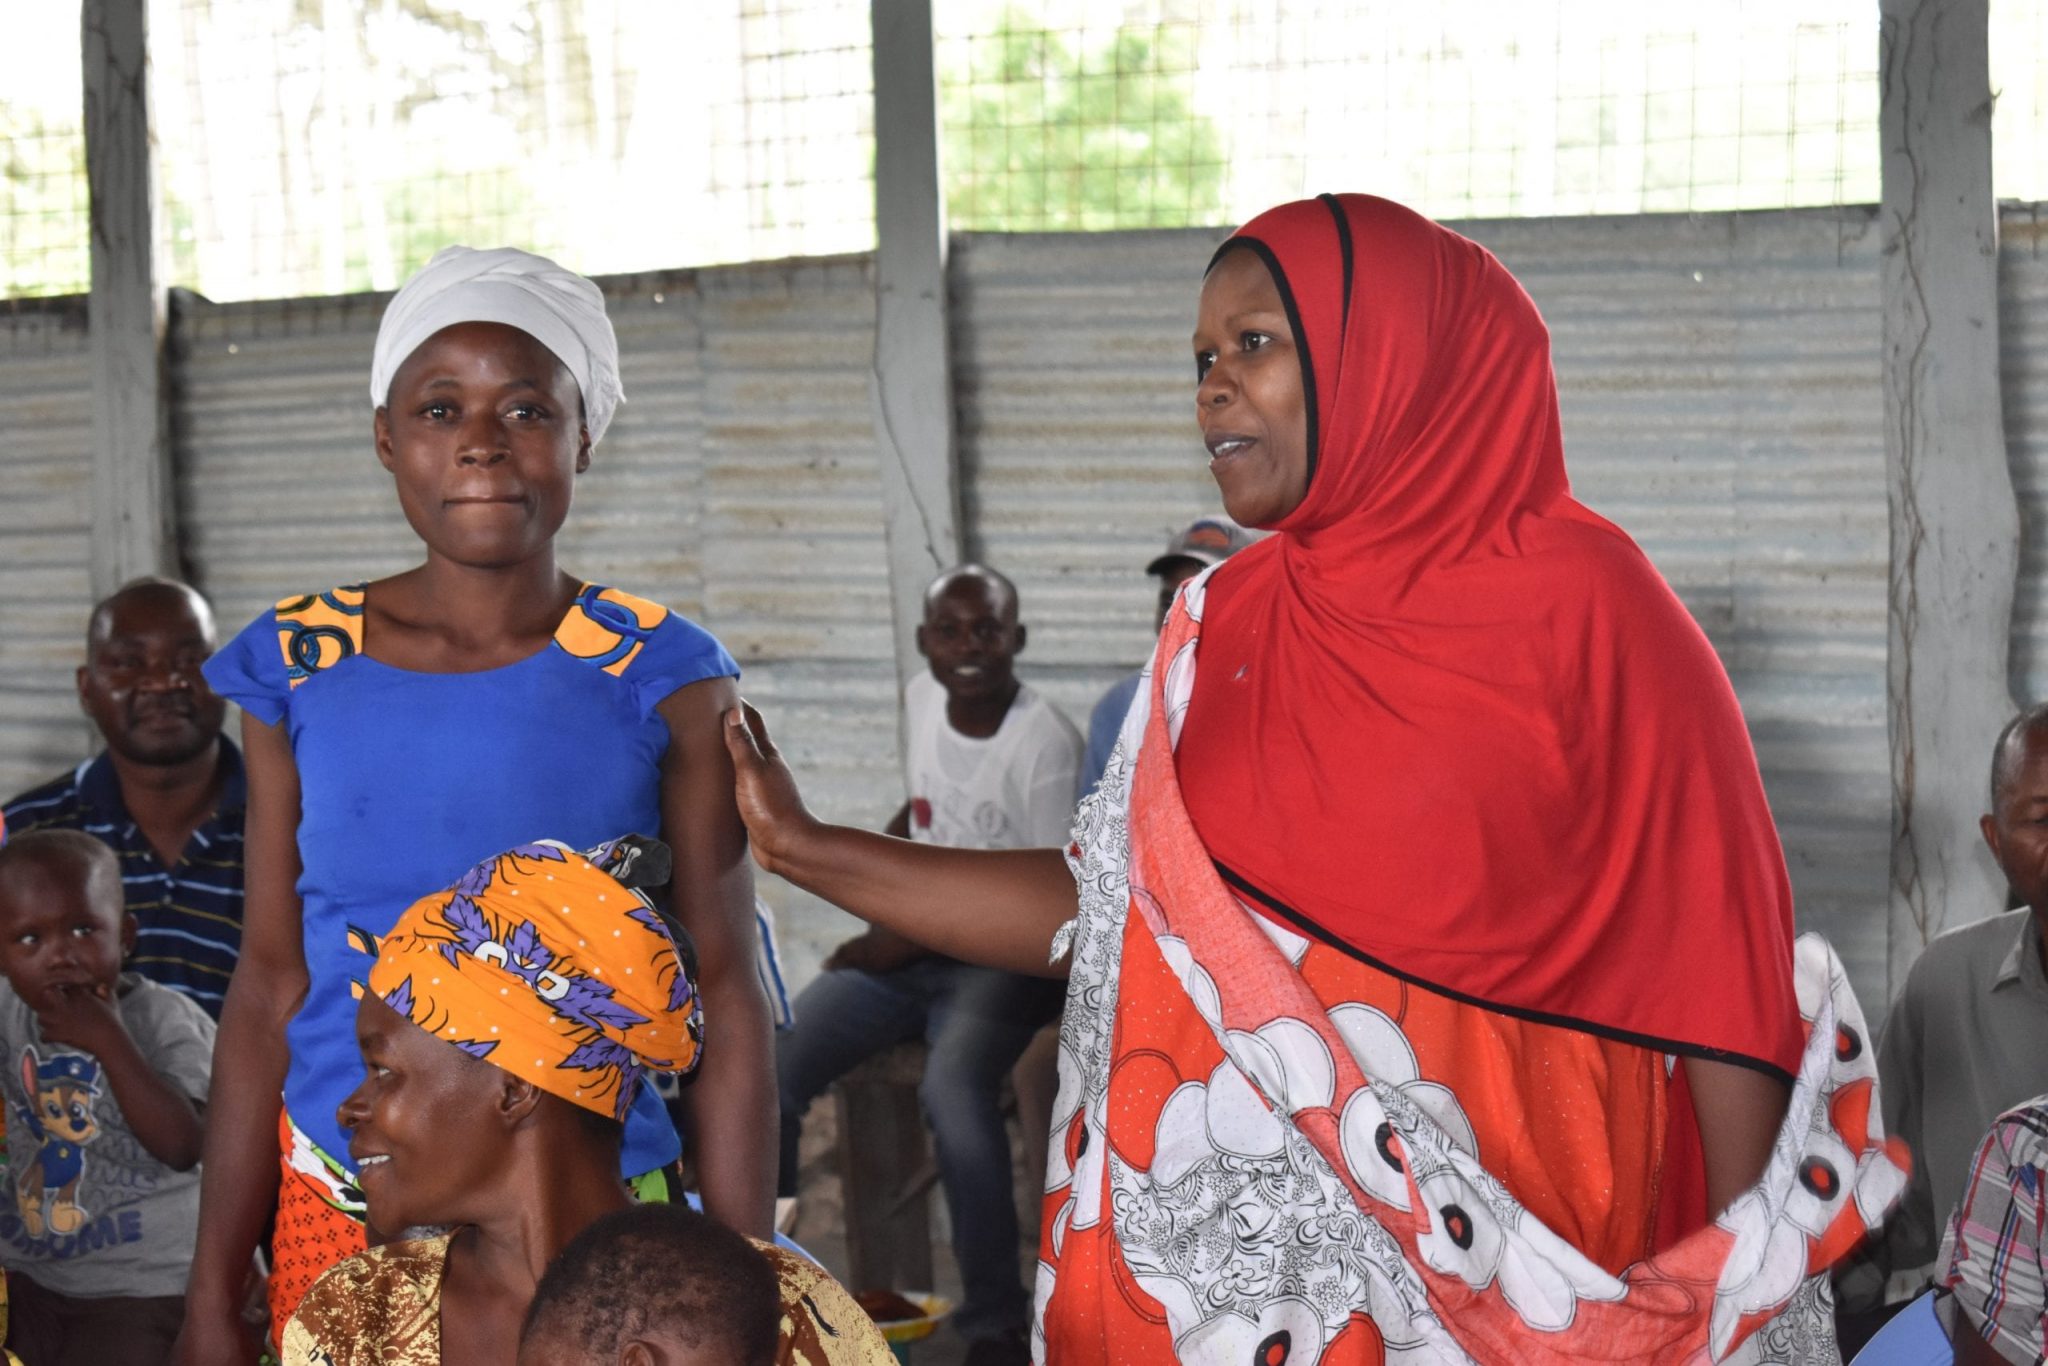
(737, 485)
(1720, 383)
(2023, 356)
(1721, 399)
(45, 536)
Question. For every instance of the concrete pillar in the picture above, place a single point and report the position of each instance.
(1954, 522)
(912, 383)
(131, 522)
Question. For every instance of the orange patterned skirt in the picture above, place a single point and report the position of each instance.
(320, 1220)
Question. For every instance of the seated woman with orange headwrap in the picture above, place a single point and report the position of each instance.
(507, 1025)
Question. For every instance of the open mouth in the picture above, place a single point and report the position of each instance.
(1224, 446)
(373, 1160)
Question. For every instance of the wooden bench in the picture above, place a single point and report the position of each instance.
(886, 1167)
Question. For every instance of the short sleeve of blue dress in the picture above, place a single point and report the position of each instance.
(249, 671)
(408, 779)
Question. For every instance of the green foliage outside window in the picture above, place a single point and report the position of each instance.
(1041, 136)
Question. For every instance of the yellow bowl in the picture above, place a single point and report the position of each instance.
(935, 1308)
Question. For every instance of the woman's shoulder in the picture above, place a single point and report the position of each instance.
(316, 631)
(1599, 585)
(821, 1324)
(284, 646)
(641, 641)
(382, 1305)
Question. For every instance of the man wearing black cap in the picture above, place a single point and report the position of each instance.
(1201, 543)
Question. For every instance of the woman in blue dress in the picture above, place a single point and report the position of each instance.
(398, 731)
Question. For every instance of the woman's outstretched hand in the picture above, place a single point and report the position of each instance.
(765, 789)
(914, 890)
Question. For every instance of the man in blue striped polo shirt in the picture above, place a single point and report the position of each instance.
(167, 794)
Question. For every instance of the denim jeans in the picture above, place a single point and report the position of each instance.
(975, 1022)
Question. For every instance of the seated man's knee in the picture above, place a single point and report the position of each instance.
(953, 1087)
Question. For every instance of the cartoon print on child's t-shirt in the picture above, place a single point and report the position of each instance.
(61, 1093)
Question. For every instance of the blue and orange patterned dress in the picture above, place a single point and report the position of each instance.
(406, 780)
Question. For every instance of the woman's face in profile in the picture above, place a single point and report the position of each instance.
(420, 1124)
(1249, 399)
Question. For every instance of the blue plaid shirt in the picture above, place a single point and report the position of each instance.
(188, 917)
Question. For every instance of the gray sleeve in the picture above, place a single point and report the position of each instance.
(1910, 1234)
(175, 1037)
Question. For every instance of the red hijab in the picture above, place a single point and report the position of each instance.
(1450, 719)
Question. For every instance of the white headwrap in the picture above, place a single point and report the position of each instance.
(557, 308)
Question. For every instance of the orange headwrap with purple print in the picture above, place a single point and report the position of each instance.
(552, 965)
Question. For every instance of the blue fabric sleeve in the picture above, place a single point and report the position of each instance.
(249, 671)
(674, 655)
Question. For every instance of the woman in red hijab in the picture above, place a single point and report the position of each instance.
(1434, 993)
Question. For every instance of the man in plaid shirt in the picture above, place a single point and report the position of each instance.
(1995, 1305)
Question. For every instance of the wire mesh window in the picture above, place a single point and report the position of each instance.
(44, 242)
(1061, 114)
(325, 146)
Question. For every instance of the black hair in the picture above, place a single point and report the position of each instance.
(68, 853)
(2010, 752)
(660, 1269)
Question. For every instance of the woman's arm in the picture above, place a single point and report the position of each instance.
(1739, 1111)
(998, 907)
(731, 1105)
(238, 1185)
(876, 949)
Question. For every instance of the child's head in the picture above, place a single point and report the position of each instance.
(494, 374)
(970, 633)
(2016, 827)
(654, 1285)
(64, 925)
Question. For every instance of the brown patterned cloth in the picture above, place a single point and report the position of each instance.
(383, 1306)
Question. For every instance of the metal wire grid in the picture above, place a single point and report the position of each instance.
(329, 147)
(44, 242)
(1169, 113)
(1093, 126)
(322, 147)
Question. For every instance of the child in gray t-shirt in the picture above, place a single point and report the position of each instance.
(104, 1077)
